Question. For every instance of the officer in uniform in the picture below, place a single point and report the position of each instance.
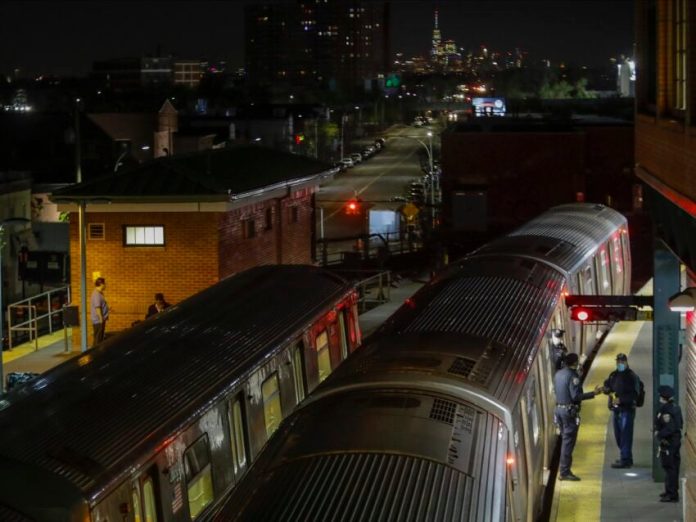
(569, 395)
(623, 387)
(668, 426)
(559, 350)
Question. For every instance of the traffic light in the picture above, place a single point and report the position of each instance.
(354, 207)
(299, 139)
(603, 314)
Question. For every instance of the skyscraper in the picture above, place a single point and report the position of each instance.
(436, 51)
(336, 43)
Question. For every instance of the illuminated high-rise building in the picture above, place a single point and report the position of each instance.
(335, 44)
(436, 51)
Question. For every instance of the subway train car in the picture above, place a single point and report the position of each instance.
(159, 421)
(446, 412)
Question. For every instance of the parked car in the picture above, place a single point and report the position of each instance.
(356, 157)
(347, 162)
(380, 143)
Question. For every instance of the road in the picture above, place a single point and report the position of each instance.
(376, 180)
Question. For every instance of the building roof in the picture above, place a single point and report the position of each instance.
(211, 175)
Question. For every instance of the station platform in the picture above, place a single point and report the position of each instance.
(606, 494)
(26, 358)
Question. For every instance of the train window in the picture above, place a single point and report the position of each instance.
(199, 478)
(602, 269)
(617, 264)
(586, 283)
(342, 333)
(237, 436)
(271, 404)
(298, 373)
(534, 407)
(149, 505)
(323, 356)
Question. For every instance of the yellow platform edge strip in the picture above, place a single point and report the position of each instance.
(27, 348)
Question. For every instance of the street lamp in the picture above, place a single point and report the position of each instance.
(3, 223)
(429, 150)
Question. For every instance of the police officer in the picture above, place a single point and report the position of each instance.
(623, 387)
(559, 350)
(569, 395)
(668, 426)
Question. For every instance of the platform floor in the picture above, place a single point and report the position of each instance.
(26, 358)
(606, 494)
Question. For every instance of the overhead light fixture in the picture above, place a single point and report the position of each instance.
(684, 301)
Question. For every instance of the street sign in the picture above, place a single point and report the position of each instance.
(410, 211)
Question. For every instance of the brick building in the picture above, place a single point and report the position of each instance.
(498, 173)
(666, 164)
(177, 225)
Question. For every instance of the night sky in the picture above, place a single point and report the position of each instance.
(65, 37)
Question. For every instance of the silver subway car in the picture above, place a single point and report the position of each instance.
(446, 412)
(157, 423)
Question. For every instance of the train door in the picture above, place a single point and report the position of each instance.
(547, 402)
(342, 333)
(144, 497)
(298, 372)
(586, 280)
(238, 435)
(617, 264)
(517, 469)
(272, 407)
(198, 472)
(533, 437)
(323, 355)
(602, 269)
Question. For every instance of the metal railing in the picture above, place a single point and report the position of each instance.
(365, 246)
(374, 291)
(373, 287)
(42, 313)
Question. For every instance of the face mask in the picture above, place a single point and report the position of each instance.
(556, 341)
(621, 367)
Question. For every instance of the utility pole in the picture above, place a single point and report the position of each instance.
(343, 120)
(82, 223)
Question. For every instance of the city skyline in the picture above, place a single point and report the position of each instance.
(584, 32)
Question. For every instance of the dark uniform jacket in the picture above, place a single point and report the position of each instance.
(559, 353)
(669, 423)
(568, 388)
(624, 387)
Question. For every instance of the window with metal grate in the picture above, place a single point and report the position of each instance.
(462, 366)
(443, 411)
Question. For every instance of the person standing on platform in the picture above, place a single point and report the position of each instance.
(559, 350)
(99, 310)
(569, 396)
(668, 426)
(625, 391)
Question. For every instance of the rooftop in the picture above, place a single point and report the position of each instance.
(211, 175)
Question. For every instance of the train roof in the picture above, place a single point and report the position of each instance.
(484, 319)
(93, 416)
(329, 462)
(564, 236)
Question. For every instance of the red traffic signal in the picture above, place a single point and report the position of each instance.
(579, 313)
(597, 314)
(299, 138)
(354, 207)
